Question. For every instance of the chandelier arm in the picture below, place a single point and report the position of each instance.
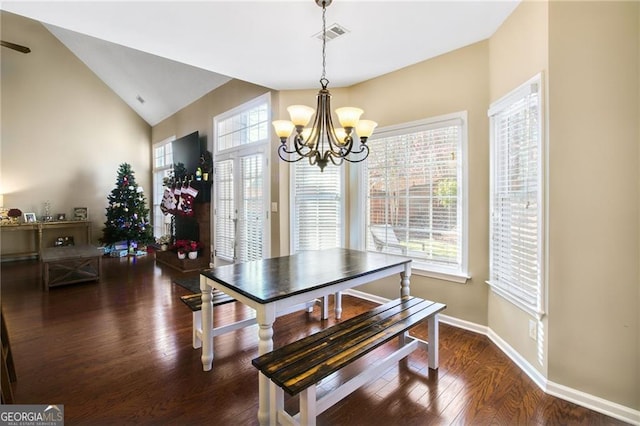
(363, 148)
(282, 152)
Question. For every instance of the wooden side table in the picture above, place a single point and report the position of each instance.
(38, 229)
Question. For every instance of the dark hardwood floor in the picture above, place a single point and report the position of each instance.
(119, 352)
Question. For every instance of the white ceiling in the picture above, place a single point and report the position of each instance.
(170, 53)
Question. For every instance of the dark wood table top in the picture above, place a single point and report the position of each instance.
(268, 280)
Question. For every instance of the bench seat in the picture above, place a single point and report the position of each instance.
(299, 366)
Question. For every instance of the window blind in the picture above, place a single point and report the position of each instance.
(250, 238)
(317, 206)
(225, 211)
(516, 198)
(415, 193)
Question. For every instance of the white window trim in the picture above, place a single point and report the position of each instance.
(421, 268)
(495, 107)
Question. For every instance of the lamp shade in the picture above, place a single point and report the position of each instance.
(283, 128)
(365, 128)
(349, 116)
(300, 114)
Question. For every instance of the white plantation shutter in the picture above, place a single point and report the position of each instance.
(516, 246)
(317, 207)
(415, 202)
(224, 210)
(251, 221)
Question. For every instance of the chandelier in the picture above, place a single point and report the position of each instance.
(323, 142)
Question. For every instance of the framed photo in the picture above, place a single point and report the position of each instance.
(61, 216)
(30, 218)
(80, 213)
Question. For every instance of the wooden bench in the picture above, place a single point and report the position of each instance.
(298, 367)
(194, 302)
(70, 264)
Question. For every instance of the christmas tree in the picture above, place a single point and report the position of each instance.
(127, 214)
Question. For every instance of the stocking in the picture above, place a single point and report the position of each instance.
(168, 204)
(187, 197)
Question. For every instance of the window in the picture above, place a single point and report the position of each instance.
(241, 142)
(516, 228)
(416, 194)
(162, 167)
(318, 215)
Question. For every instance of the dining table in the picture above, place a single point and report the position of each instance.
(275, 285)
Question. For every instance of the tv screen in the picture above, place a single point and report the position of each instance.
(187, 150)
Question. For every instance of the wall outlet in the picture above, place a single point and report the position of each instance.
(533, 329)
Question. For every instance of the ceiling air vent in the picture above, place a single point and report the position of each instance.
(333, 31)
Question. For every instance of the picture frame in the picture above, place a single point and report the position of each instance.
(30, 218)
(61, 216)
(80, 213)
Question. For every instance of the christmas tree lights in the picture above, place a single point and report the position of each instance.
(127, 214)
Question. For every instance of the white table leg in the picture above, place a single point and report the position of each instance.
(432, 349)
(207, 324)
(266, 316)
(405, 280)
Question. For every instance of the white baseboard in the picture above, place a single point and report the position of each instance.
(594, 403)
(583, 399)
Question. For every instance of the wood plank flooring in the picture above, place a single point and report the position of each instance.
(119, 352)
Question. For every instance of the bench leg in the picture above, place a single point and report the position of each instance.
(308, 406)
(196, 329)
(324, 303)
(338, 302)
(432, 350)
(324, 306)
(276, 404)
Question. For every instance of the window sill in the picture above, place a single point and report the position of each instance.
(445, 276)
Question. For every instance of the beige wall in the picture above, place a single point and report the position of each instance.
(453, 82)
(64, 132)
(518, 51)
(593, 198)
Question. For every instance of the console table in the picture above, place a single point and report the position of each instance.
(37, 230)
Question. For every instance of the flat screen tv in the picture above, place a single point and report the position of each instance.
(187, 150)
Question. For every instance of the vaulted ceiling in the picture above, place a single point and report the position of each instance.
(161, 56)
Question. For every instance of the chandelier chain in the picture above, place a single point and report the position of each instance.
(323, 78)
